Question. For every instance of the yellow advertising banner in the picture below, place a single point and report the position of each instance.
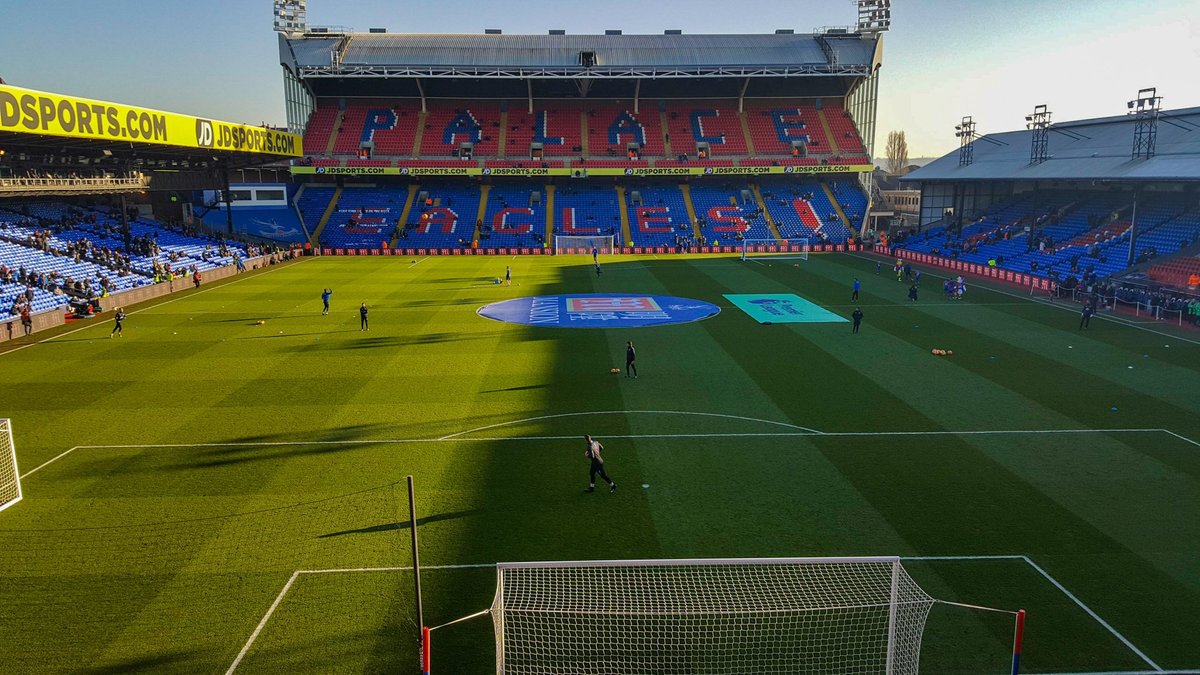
(472, 170)
(25, 111)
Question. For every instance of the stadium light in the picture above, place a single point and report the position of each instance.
(1145, 110)
(1039, 123)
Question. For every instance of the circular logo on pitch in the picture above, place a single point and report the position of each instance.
(599, 310)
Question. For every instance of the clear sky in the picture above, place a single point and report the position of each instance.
(994, 60)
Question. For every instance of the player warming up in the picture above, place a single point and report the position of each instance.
(593, 453)
(630, 357)
(854, 293)
(857, 317)
(119, 319)
(325, 300)
(362, 316)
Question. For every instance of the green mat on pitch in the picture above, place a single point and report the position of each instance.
(782, 308)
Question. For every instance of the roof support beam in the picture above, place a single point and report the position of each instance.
(742, 96)
(421, 89)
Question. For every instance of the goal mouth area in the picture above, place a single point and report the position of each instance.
(604, 244)
(798, 249)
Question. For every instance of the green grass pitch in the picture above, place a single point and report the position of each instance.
(211, 459)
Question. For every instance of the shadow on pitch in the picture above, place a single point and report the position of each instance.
(522, 388)
(392, 341)
(287, 335)
(146, 664)
(391, 527)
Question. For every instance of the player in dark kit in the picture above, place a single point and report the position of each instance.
(362, 315)
(119, 320)
(630, 357)
(1085, 319)
(325, 299)
(857, 317)
(593, 453)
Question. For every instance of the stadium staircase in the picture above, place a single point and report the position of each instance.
(484, 190)
(833, 144)
(626, 230)
(549, 214)
(419, 137)
(837, 208)
(583, 133)
(333, 133)
(691, 209)
(762, 204)
(746, 133)
(666, 136)
(413, 188)
(333, 202)
(501, 151)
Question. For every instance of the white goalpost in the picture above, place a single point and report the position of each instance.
(790, 249)
(566, 245)
(721, 616)
(10, 478)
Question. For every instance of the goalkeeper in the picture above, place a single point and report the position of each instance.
(593, 453)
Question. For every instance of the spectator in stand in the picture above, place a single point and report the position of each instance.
(26, 319)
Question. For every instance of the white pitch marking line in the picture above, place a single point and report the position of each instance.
(495, 439)
(1185, 439)
(930, 558)
(295, 575)
(417, 262)
(627, 412)
(49, 461)
(1092, 614)
(263, 622)
(1187, 671)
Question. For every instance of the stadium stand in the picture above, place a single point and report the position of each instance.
(583, 208)
(391, 126)
(513, 218)
(705, 122)
(725, 216)
(658, 216)
(444, 218)
(363, 218)
(320, 127)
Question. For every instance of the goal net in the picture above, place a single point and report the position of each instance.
(774, 615)
(795, 249)
(10, 478)
(564, 245)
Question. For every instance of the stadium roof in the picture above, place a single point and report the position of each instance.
(399, 55)
(1095, 149)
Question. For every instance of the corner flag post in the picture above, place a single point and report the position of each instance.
(423, 639)
(1018, 638)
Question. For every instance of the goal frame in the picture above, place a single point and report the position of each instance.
(897, 573)
(605, 242)
(796, 248)
(8, 456)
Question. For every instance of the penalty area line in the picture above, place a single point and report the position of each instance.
(345, 570)
(801, 432)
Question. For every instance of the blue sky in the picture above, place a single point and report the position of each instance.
(942, 60)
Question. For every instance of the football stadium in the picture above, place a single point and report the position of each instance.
(482, 363)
